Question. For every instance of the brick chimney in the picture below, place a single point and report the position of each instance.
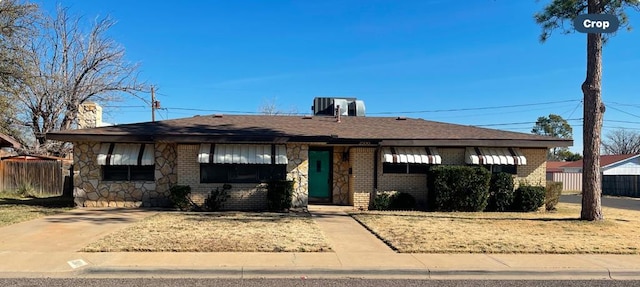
(89, 115)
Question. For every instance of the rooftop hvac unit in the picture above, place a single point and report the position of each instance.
(341, 104)
(328, 106)
(356, 108)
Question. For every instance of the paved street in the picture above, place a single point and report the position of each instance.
(608, 201)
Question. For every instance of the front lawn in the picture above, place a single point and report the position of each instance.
(217, 232)
(486, 232)
(14, 209)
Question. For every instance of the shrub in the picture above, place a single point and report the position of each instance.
(382, 200)
(458, 188)
(217, 197)
(179, 196)
(528, 198)
(500, 192)
(393, 200)
(26, 189)
(553, 191)
(402, 201)
(279, 195)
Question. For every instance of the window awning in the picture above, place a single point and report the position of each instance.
(125, 154)
(242, 153)
(425, 155)
(505, 156)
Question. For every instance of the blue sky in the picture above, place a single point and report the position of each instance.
(411, 58)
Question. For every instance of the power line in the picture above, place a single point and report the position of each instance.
(518, 123)
(474, 109)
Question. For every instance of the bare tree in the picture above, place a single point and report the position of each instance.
(64, 67)
(270, 107)
(621, 141)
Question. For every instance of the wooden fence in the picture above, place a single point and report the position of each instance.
(40, 177)
(621, 185)
(571, 181)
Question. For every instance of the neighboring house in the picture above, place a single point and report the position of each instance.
(336, 160)
(571, 181)
(8, 145)
(620, 174)
(619, 164)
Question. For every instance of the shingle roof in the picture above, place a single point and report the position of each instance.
(298, 128)
(555, 166)
(605, 160)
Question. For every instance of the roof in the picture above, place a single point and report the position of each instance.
(32, 158)
(555, 166)
(7, 141)
(605, 160)
(326, 129)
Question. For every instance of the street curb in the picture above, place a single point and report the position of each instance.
(362, 273)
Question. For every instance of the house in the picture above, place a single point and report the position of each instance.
(334, 160)
(620, 174)
(571, 181)
(619, 164)
(8, 145)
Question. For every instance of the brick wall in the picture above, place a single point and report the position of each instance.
(534, 172)
(243, 196)
(414, 184)
(361, 179)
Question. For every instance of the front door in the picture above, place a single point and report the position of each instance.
(319, 175)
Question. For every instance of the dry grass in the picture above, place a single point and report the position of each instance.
(14, 209)
(217, 232)
(538, 232)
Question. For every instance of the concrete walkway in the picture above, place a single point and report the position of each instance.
(49, 247)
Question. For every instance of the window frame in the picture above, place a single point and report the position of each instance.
(253, 173)
(133, 172)
(511, 169)
(409, 168)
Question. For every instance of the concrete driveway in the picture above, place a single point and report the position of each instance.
(67, 232)
(608, 201)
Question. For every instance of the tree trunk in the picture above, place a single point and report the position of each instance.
(593, 110)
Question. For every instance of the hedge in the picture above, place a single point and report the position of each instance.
(458, 188)
(501, 192)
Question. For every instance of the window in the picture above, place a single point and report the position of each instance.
(128, 172)
(406, 168)
(241, 173)
(510, 169)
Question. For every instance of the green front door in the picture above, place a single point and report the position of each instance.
(319, 177)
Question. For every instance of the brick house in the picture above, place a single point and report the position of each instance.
(331, 160)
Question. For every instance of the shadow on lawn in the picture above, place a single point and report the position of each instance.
(45, 202)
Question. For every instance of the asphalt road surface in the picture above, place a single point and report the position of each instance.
(302, 282)
(608, 201)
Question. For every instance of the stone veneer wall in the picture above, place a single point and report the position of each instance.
(91, 191)
(298, 171)
(243, 196)
(340, 176)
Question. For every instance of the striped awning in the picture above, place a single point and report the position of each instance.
(243, 153)
(504, 156)
(425, 155)
(125, 154)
